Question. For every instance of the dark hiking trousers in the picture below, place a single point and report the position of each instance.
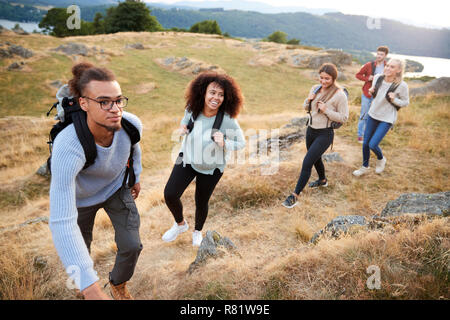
(125, 219)
(317, 142)
(179, 180)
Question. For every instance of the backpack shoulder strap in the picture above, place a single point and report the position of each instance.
(131, 130)
(373, 67)
(135, 137)
(378, 85)
(85, 136)
(218, 121)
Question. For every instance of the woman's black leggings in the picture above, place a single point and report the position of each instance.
(317, 142)
(179, 180)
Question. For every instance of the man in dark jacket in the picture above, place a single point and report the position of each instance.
(366, 74)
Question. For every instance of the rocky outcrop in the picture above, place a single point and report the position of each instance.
(186, 65)
(409, 210)
(15, 50)
(315, 60)
(436, 86)
(213, 245)
(332, 157)
(434, 204)
(413, 66)
(137, 46)
(72, 48)
(339, 226)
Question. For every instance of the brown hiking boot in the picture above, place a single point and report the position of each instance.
(120, 292)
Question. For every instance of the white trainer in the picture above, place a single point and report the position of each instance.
(361, 171)
(173, 232)
(380, 165)
(197, 238)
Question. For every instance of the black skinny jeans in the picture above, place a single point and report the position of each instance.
(179, 180)
(317, 142)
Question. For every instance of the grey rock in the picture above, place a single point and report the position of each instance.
(137, 46)
(437, 86)
(40, 263)
(43, 170)
(342, 77)
(332, 157)
(169, 61)
(20, 51)
(416, 203)
(73, 49)
(5, 53)
(210, 247)
(15, 66)
(57, 84)
(298, 122)
(339, 226)
(198, 70)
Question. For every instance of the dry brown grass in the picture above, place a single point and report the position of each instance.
(274, 261)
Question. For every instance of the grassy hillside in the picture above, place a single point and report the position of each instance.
(275, 261)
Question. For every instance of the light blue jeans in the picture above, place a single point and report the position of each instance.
(365, 105)
(375, 132)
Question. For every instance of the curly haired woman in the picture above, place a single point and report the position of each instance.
(203, 152)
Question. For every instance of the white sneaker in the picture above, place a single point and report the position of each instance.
(361, 171)
(380, 165)
(197, 238)
(173, 232)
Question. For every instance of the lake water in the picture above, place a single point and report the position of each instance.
(27, 26)
(433, 67)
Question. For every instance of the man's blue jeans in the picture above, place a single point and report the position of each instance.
(365, 105)
(375, 132)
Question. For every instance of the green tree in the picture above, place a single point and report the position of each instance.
(98, 24)
(278, 37)
(131, 15)
(207, 26)
(293, 41)
(55, 24)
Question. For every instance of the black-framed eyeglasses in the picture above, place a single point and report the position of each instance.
(107, 104)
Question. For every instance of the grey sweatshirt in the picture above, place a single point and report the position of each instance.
(381, 109)
(72, 188)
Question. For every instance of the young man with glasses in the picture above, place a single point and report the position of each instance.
(77, 193)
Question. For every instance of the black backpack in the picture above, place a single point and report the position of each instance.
(72, 113)
(392, 88)
(216, 125)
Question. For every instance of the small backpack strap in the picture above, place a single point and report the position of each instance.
(217, 122)
(378, 85)
(135, 137)
(373, 67)
(85, 136)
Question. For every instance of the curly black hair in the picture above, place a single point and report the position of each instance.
(195, 93)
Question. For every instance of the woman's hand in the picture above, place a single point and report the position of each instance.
(218, 138)
(183, 130)
(311, 96)
(391, 95)
(371, 91)
(322, 106)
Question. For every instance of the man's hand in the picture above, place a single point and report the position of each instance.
(93, 292)
(135, 190)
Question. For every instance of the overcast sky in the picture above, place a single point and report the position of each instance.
(425, 12)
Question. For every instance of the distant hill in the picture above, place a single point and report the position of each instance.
(330, 30)
(241, 5)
